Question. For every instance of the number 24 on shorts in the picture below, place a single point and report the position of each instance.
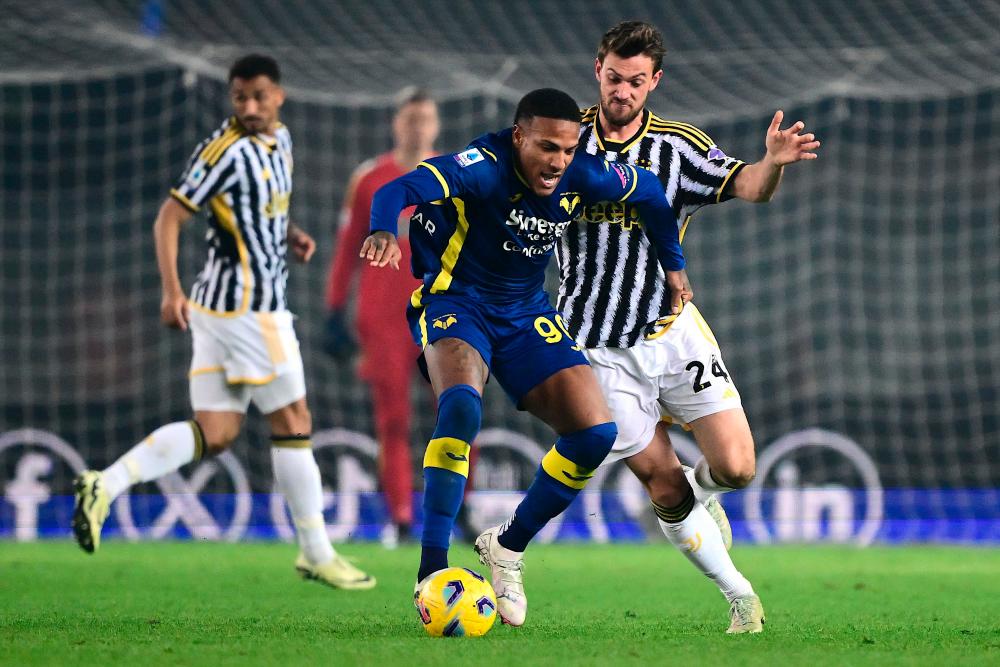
(553, 333)
(717, 369)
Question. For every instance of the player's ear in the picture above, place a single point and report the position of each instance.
(281, 95)
(656, 80)
(597, 68)
(518, 135)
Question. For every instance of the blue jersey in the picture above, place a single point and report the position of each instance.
(480, 230)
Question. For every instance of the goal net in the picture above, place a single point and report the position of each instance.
(859, 311)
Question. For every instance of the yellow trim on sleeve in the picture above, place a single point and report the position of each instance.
(437, 174)
(450, 257)
(722, 188)
(417, 297)
(184, 201)
(448, 453)
(564, 471)
(205, 370)
(489, 153)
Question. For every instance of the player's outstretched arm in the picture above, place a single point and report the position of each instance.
(166, 234)
(758, 182)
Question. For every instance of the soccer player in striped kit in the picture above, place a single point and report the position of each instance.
(656, 367)
(245, 348)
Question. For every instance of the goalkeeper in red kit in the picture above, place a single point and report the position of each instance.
(388, 356)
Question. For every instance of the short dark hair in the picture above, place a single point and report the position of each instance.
(547, 103)
(411, 95)
(253, 65)
(631, 38)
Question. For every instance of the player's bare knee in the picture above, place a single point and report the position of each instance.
(735, 475)
(294, 419)
(668, 491)
(218, 440)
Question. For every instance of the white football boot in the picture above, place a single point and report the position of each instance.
(506, 567)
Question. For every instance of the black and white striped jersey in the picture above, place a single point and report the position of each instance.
(245, 180)
(611, 287)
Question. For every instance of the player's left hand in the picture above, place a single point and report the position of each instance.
(301, 244)
(381, 248)
(680, 290)
(790, 145)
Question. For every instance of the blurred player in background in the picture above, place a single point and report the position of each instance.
(245, 348)
(388, 357)
(486, 225)
(655, 367)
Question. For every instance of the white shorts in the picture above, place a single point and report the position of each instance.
(675, 376)
(251, 357)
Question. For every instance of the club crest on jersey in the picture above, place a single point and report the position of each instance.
(471, 156)
(569, 201)
(715, 153)
(445, 321)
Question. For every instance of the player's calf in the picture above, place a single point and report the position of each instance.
(446, 469)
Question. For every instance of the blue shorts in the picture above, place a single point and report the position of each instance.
(523, 344)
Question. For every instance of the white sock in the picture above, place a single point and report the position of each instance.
(698, 537)
(165, 450)
(297, 475)
(700, 479)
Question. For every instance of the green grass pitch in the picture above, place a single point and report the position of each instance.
(242, 604)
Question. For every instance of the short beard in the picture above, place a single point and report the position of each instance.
(620, 121)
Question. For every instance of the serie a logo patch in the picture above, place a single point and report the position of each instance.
(471, 156)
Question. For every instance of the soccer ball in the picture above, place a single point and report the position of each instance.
(457, 602)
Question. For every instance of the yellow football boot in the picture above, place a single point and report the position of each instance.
(338, 573)
(91, 509)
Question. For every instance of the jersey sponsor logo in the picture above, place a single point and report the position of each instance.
(534, 228)
(715, 153)
(471, 156)
(569, 201)
(445, 321)
(613, 212)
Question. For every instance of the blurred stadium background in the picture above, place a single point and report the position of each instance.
(859, 311)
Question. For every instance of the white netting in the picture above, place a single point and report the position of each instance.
(865, 299)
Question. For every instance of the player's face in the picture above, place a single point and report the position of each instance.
(256, 102)
(416, 127)
(625, 85)
(544, 148)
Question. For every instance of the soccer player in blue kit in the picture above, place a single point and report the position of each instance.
(485, 227)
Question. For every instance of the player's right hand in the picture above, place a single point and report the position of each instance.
(680, 290)
(174, 311)
(380, 249)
